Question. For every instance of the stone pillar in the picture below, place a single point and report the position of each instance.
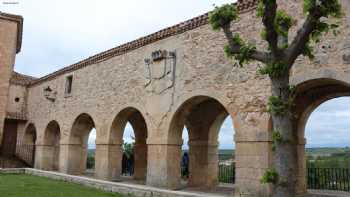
(203, 164)
(108, 161)
(83, 159)
(140, 162)
(63, 161)
(47, 157)
(163, 168)
(252, 159)
(39, 157)
(43, 157)
(55, 157)
(8, 44)
(301, 187)
(71, 157)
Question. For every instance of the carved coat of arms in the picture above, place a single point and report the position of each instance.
(160, 71)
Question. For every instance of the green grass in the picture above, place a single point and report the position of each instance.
(32, 186)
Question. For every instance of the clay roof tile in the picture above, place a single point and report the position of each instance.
(20, 79)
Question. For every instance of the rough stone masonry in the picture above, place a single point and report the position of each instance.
(160, 83)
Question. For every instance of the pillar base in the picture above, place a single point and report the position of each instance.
(108, 159)
(163, 169)
(203, 164)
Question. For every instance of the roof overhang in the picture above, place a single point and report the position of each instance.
(19, 20)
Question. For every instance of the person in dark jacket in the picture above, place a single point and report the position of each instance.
(185, 165)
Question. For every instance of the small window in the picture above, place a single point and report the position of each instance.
(17, 99)
(69, 81)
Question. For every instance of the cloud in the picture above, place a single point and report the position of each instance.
(329, 124)
(129, 136)
(92, 139)
(59, 33)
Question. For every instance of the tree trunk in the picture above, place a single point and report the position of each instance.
(285, 157)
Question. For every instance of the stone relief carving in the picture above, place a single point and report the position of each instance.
(160, 71)
(50, 94)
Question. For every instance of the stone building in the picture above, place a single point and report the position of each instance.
(160, 83)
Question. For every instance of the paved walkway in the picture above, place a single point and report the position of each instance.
(327, 193)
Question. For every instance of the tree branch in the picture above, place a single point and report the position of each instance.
(235, 48)
(270, 9)
(299, 43)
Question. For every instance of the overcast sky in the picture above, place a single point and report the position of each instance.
(60, 33)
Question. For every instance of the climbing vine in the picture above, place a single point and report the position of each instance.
(276, 139)
(277, 106)
(270, 176)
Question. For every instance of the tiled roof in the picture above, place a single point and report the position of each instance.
(20, 79)
(242, 5)
(19, 20)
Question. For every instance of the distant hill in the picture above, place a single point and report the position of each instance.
(221, 151)
(315, 152)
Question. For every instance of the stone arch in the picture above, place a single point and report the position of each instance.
(52, 136)
(78, 142)
(313, 89)
(203, 117)
(26, 149)
(138, 123)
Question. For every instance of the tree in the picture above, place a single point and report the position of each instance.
(278, 59)
(128, 149)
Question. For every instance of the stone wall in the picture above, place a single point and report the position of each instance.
(195, 75)
(17, 99)
(8, 40)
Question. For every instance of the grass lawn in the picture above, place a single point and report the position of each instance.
(32, 186)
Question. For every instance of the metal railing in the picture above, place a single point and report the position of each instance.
(227, 173)
(26, 153)
(328, 179)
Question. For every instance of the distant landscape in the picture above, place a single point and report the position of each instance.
(316, 157)
(328, 157)
(325, 151)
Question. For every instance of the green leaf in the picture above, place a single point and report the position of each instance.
(274, 69)
(223, 16)
(283, 22)
(327, 8)
(261, 9)
(277, 137)
(277, 106)
(270, 176)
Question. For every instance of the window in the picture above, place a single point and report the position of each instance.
(69, 81)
